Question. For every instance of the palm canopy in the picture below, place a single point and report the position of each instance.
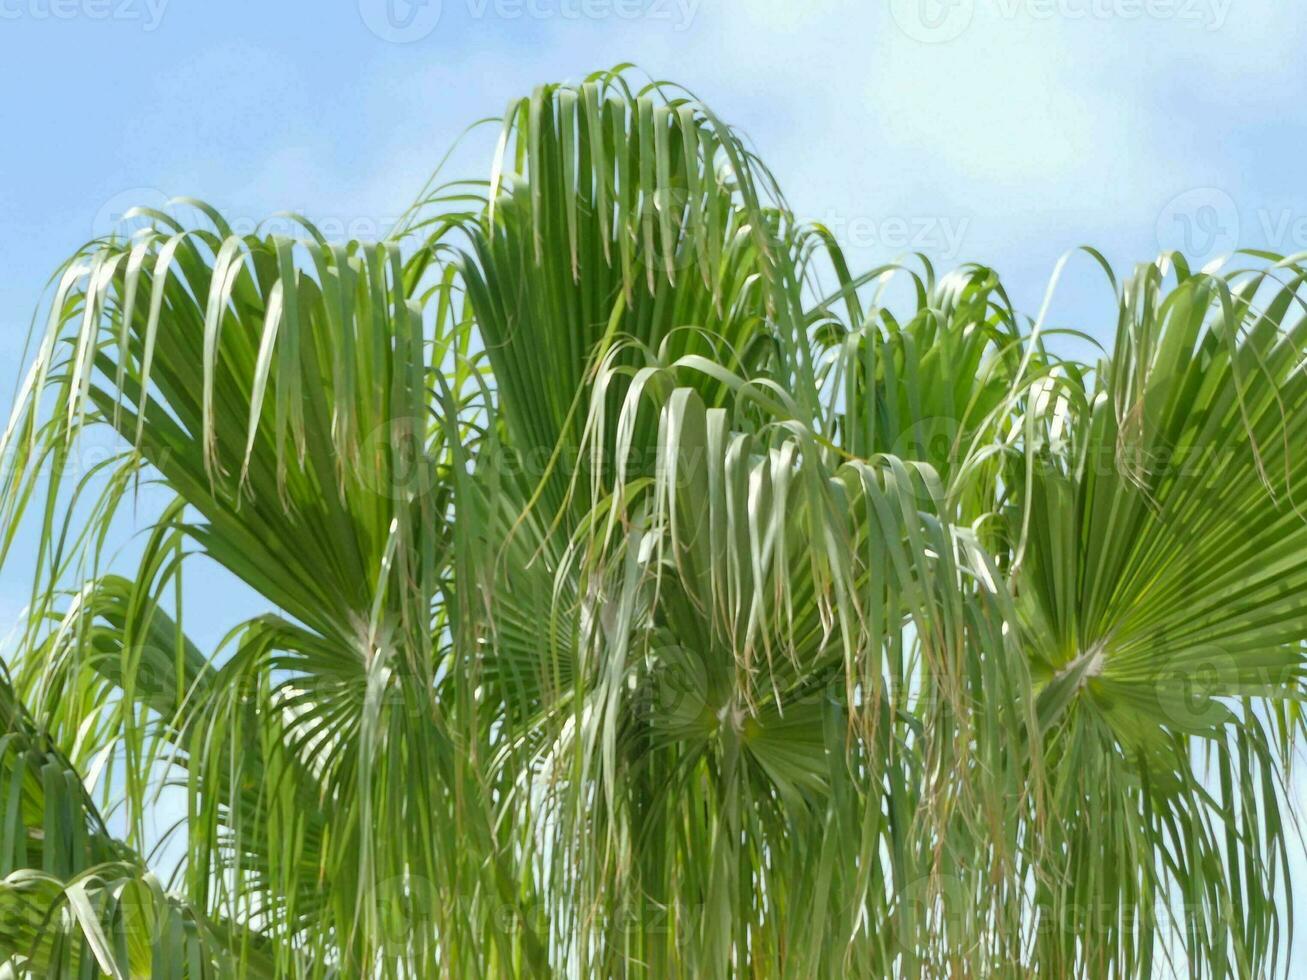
(651, 594)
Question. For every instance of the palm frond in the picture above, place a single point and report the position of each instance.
(647, 593)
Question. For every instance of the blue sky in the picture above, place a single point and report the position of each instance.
(1003, 131)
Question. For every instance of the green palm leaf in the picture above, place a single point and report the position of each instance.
(647, 593)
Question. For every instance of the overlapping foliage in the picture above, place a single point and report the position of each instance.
(651, 595)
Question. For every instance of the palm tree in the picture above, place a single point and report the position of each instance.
(651, 595)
